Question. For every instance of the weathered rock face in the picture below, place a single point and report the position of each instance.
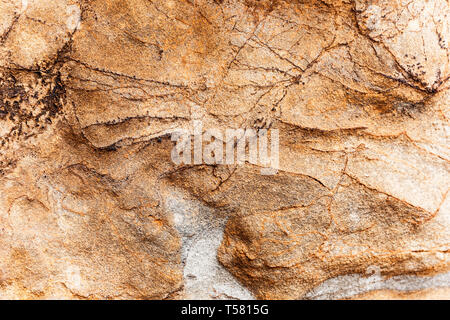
(92, 206)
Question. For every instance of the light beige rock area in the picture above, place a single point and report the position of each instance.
(92, 206)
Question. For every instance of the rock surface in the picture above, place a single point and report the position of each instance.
(93, 207)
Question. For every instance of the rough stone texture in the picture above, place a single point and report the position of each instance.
(429, 294)
(91, 205)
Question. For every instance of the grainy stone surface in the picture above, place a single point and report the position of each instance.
(93, 207)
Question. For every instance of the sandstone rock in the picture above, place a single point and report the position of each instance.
(93, 207)
(428, 294)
